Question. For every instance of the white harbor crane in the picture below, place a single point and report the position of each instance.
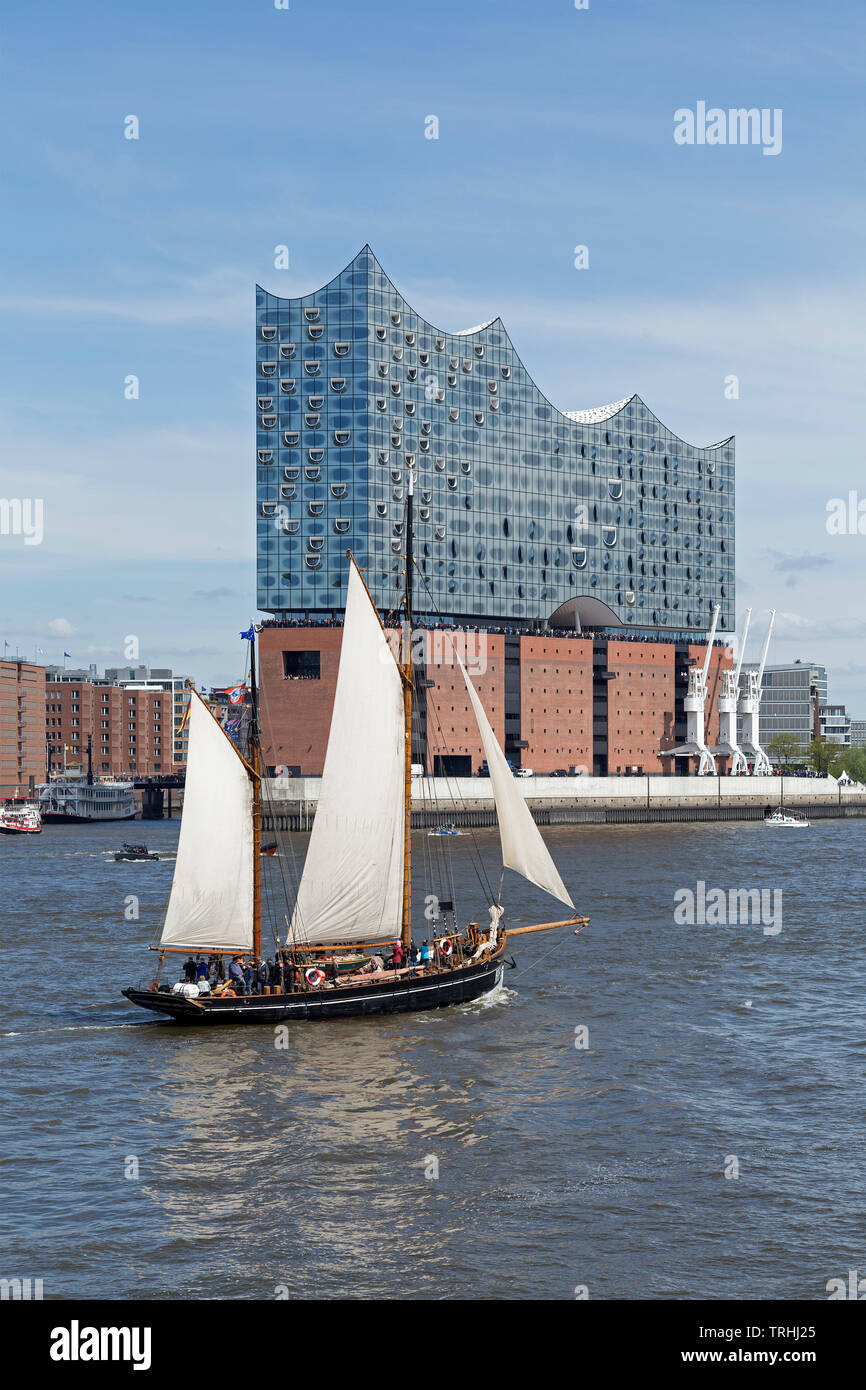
(695, 705)
(727, 746)
(750, 710)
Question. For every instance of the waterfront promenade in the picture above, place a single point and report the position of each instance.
(290, 802)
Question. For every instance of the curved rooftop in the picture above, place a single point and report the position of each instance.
(591, 416)
(524, 511)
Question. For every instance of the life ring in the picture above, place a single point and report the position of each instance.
(446, 946)
(227, 994)
(314, 976)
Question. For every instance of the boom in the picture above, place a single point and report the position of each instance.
(710, 641)
(743, 641)
(766, 646)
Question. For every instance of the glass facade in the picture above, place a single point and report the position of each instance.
(788, 699)
(523, 513)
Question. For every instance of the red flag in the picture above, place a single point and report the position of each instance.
(236, 693)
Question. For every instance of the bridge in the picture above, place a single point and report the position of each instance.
(156, 794)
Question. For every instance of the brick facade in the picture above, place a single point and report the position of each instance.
(568, 702)
(131, 729)
(22, 728)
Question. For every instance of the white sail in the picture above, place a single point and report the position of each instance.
(522, 846)
(211, 902)
(352, 884)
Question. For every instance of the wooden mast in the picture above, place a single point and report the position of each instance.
(255, 757)
(406, 672)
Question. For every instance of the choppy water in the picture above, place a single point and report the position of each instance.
(557, 1166)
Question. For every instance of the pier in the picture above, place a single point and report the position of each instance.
(290, 802)
(156, 798)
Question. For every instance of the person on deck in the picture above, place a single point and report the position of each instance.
(249, 976)
(426, 954)
(263, 975)
(200, 969)
(189, 970)
(236, 975)
(397, 957)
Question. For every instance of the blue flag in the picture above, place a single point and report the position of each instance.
(69, 654)
(250, 634)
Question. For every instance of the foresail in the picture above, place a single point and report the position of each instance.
(352, 884)
(522, 846)
(211, 903)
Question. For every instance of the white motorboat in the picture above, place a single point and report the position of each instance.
(781, 817)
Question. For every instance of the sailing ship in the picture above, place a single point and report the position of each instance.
(353, 902)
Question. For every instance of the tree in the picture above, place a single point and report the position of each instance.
(853, 760)
(825, 756)
(785, 749)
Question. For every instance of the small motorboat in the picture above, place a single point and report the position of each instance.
(780, 817)
(133, 853)
(444, 830)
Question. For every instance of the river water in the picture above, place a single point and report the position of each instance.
(572, 1132)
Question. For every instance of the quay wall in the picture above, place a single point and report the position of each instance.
(290, 802)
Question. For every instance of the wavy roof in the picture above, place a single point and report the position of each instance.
(594, 415)
(598, 412)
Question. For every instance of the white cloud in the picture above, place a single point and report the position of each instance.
(62, 627)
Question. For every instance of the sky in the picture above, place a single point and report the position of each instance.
(304, 127)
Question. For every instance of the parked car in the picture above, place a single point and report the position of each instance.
(524, 772)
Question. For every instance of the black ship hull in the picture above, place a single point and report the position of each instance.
(408, 995)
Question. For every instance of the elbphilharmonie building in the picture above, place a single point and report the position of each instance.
(524, 514)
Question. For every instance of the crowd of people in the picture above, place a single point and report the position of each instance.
(283, 972)
(533, 629)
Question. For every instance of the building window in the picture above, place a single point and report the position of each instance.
(302, 665)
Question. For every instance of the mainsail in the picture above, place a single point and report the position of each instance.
(352, 884)
(211, 903)
(522, 846)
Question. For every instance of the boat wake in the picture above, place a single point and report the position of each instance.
(77, 1028)
(501, 994)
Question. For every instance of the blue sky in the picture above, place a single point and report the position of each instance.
(305, 127)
